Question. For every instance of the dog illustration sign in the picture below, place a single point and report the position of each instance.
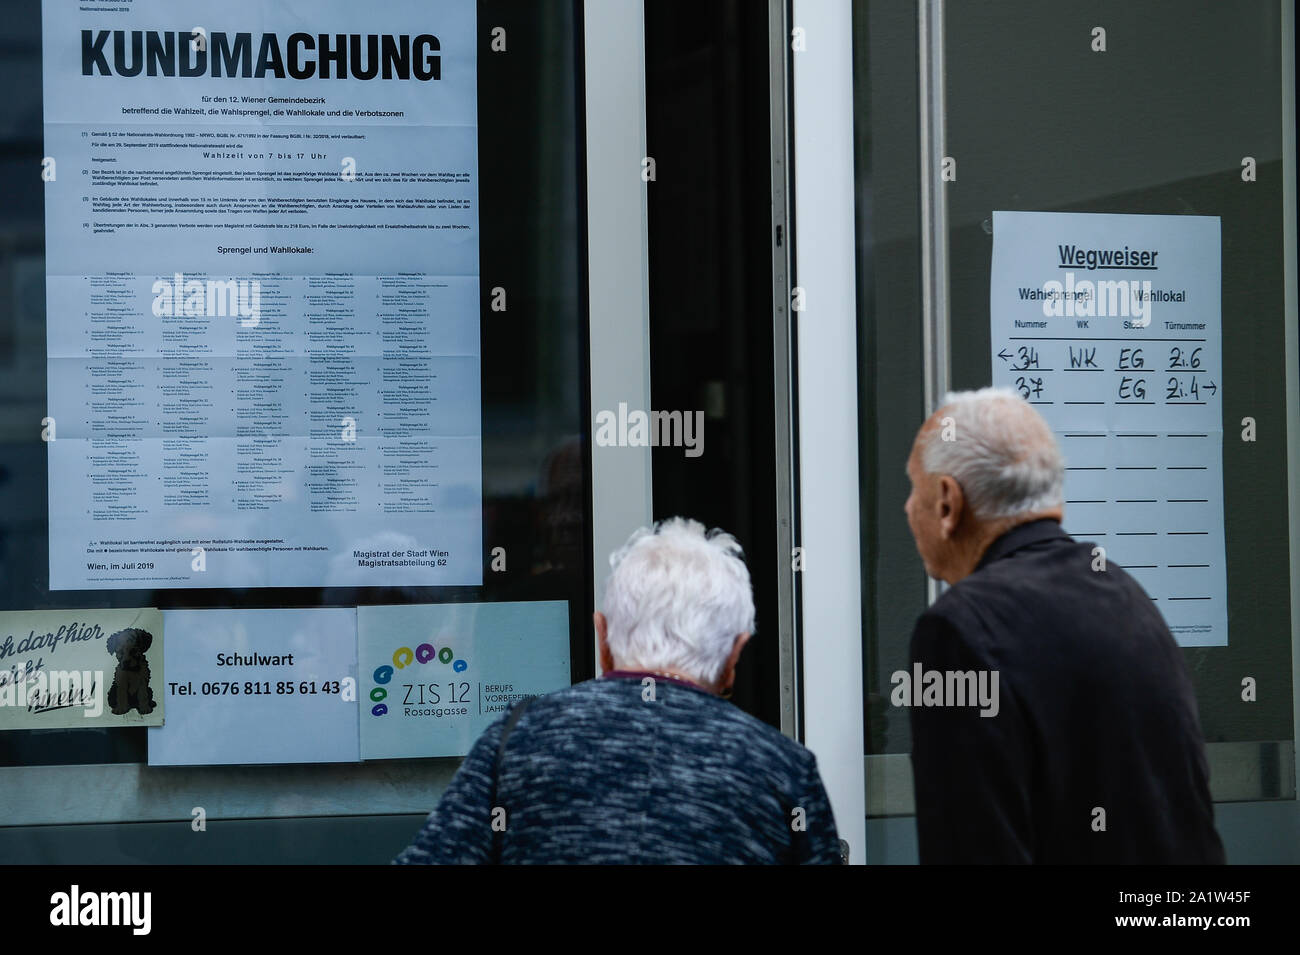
(73, 669)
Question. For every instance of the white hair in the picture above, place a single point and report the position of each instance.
(1000, 450)
(677, 598)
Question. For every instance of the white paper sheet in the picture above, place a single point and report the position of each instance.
(258, 686)
(263, 294)
(1111, 326)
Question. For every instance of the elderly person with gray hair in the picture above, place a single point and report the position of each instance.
(649, 763)
(1088, 747)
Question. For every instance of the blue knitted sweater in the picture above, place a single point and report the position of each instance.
(598, 773)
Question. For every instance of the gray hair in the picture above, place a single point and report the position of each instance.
(1000, 450)
(676, 598)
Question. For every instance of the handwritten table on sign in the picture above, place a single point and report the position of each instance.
(1111, 326)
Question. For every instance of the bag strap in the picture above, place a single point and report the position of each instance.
(511, 720)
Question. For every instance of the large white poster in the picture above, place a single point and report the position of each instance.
(262, 279)
(1111, 326)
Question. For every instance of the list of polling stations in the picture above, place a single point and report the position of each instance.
(263, 294)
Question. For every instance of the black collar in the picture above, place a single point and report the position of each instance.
(1022, 535)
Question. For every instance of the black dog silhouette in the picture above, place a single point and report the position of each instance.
(131, 680)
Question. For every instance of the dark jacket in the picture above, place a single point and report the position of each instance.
(1096, 712)
(596, 773)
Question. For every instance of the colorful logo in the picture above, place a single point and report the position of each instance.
(404, 657)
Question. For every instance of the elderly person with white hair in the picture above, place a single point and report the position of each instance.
(649, 763)
(1053, 718)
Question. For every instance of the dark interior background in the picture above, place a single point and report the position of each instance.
(891, 402)
(1158, 124)
(711, 345)
(1133, 132)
